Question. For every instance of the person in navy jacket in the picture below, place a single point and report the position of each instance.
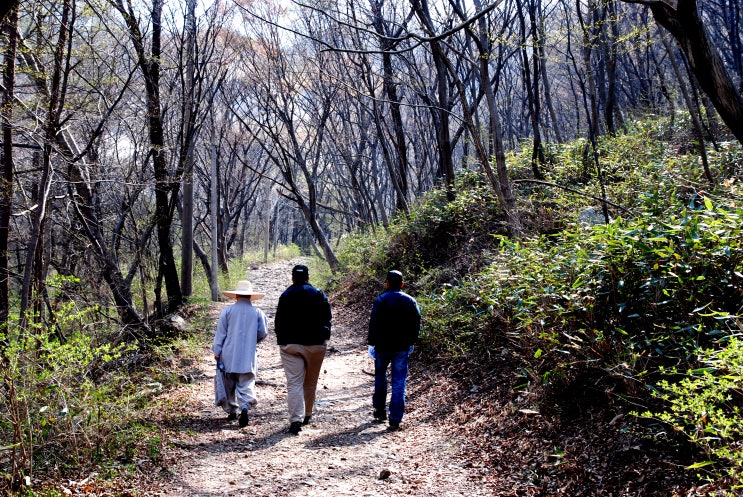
(394, 328)
(302, 326)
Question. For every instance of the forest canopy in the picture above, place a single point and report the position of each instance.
(139, 134)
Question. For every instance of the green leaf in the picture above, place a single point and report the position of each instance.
(700, 464)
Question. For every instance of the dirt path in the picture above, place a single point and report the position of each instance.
(340, 453)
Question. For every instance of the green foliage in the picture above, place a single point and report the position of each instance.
(57, 407)
(650, 288)
(73, 399)
(706, 406)
(430, 236)
(675, 278)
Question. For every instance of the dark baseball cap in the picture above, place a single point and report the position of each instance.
(394, 278)
(300, 272)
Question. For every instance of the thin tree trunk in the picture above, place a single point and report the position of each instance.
(213, 207)
(400, 174)
(610, 106)
(150, 66)
(531, 83)
(443, 136)
(693, 112)
(187, 153)
(35, 248)
(10, 28)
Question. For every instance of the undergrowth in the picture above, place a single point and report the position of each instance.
(577, 298)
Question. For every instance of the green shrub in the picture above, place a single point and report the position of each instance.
(72, 399)
(56, 408)
(672, 283)
(705, 405)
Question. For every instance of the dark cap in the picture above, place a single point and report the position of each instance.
(300, 272)
(394, 278)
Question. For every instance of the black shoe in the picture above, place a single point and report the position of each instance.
(243, 418)
(380, 417)
(295, 428)
(394, 426)
(232, 416)
(306, 420)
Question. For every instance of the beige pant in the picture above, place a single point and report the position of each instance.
(302, 365)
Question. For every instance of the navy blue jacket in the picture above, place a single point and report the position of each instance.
(303, 316)
(395, 321)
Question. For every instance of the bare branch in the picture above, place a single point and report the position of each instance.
(419, 40)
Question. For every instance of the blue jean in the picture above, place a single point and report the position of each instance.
(399, 375)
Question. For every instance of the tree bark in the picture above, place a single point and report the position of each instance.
(6, 8)
(693, 112)
(33, 270)
(400, 175)
(10, 28)
(187, 152)
(441, 120)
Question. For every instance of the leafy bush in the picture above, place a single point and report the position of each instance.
(72, 399)
(672, 283)
(705, 405)
(612, 303)
(54, 409)
(435, 234)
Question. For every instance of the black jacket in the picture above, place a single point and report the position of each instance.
(303, 316)
(395, 321)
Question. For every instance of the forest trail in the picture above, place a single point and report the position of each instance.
(341, 452)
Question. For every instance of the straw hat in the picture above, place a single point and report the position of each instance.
(244, 288)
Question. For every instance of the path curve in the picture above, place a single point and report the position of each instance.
(341, 453)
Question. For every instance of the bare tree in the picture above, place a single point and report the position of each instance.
(683, 20)
(149, 64)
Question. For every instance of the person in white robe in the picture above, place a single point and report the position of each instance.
(241, 326)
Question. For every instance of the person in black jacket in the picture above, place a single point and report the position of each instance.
(393, 330)
(302, 326)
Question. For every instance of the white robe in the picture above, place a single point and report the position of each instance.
(241, 326)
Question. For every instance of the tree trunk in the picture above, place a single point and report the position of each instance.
(443, 137)
(502, 181)
(6, 8)
(214, 224)
(187, 152)
(33, 270)
(693, 112)
(150, 66)
(10, 28)
(531, 83)
(610, 45)
(400, 175)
